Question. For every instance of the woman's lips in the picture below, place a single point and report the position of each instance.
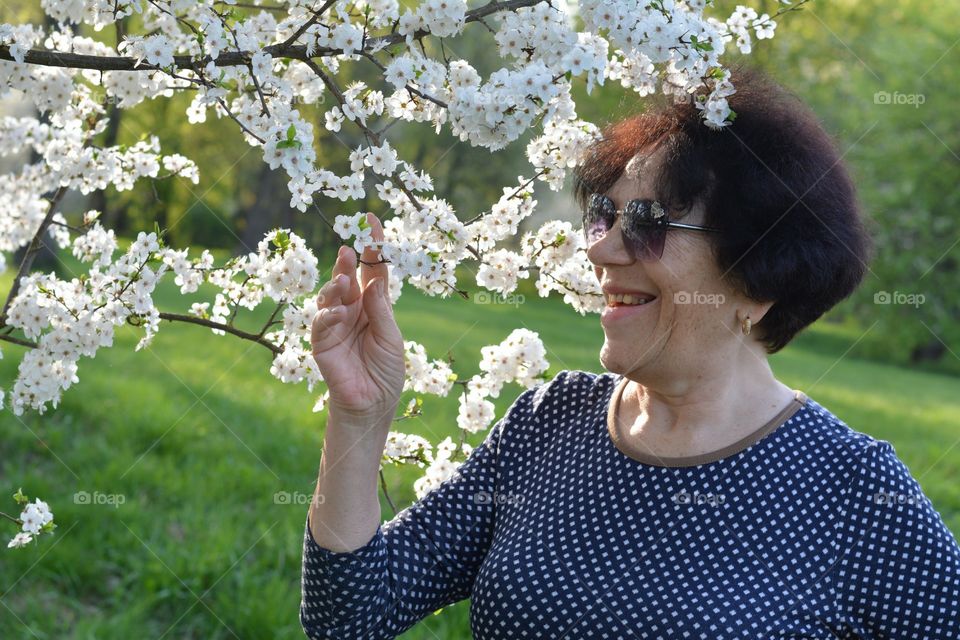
(612, 315)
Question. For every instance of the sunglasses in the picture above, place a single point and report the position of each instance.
(643, 225)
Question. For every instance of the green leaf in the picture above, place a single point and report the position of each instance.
(20, 498)
(281, 240)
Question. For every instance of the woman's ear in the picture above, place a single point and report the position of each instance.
(754, 311)
(757, 310)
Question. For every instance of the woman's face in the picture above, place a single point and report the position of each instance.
(693, 316)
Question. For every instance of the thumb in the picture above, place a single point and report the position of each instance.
(377, 305)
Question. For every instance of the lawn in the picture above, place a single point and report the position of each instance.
(196, 438)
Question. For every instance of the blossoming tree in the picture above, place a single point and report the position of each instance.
(263, 66)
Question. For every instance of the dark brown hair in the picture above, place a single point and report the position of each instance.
(773, 181)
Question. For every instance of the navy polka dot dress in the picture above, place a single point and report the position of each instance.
(554, 529)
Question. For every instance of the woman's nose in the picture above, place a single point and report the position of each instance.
(610, 248)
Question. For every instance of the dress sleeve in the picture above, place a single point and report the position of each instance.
(422, 560)
(899, 569)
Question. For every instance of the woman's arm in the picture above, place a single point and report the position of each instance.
(422, 560)
(345, 510)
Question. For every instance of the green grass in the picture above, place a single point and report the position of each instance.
(198, 437)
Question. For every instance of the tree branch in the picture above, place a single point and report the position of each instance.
(48, 58)
(20, 341)
(223, 327)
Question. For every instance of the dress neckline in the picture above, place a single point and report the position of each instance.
(647, 457)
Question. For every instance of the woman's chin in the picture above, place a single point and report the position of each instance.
(620, 358)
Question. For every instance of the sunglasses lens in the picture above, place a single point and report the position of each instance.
(641, 225)
(598, 218)
(642, 231)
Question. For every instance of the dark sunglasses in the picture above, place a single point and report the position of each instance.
(643, 225)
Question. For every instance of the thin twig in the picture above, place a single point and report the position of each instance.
(270, 322)
(223, 327)
(31, 252)
(383, 487)
(309, 23)
(425, 96)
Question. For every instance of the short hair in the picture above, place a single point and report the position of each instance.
(772, 181)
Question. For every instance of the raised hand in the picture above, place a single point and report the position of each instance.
(355, 339)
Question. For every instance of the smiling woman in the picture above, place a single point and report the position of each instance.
(685, 491)
(774, 185)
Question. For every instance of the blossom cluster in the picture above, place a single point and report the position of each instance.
(75, 318)
(442, 465)
(35, 519)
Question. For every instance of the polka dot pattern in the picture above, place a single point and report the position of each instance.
(814, 531)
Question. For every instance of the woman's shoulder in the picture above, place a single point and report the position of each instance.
(550, 406)
(566, 395)
(558, 405)
(570, 390)
(863, 456)
(821, 425)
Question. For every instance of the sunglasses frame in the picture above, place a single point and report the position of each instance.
(657, 220)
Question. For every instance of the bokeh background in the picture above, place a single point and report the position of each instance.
(203, 461)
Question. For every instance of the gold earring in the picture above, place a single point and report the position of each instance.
(745, 325)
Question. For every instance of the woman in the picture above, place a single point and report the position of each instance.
(683, 493)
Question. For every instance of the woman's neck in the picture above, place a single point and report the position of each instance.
(712, 407)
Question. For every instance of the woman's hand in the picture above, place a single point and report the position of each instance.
(355, 339)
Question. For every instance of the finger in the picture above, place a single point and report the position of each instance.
(346, 264)
(331, 293)
(342, 263)
(378, 309)
(368, 267)
(324, 320)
